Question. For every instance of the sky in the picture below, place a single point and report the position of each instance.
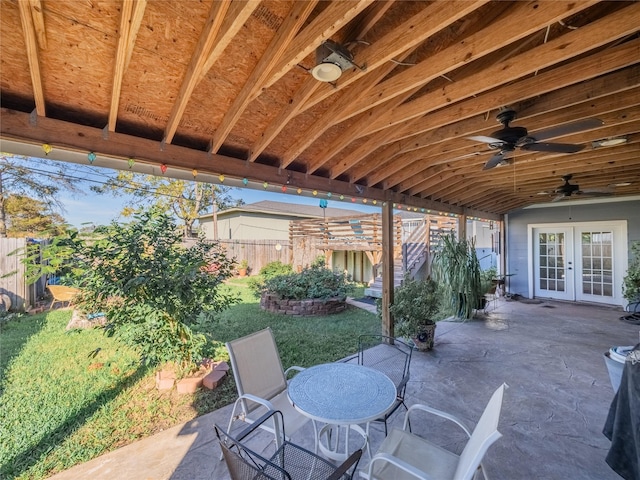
(87, 207)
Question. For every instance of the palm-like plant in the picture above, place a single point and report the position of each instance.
(456, 268)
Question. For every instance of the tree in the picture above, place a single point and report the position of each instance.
(18, 177)
(28, 217)
(186, 200)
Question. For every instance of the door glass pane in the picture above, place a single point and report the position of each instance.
(551, 258)
(597, 261)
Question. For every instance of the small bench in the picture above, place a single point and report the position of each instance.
(62, 294)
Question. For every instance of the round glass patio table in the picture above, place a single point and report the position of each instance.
(341, 395)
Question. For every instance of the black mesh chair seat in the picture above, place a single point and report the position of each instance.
(391, 357)
(287, 461)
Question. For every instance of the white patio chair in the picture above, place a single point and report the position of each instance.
(261, 381)
(404, 455)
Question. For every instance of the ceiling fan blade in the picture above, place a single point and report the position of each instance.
(485, 139)
(552, 147)
(568, 128)
(494, 161)
(560, 197)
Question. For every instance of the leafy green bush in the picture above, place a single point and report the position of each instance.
(416, 303)
(273, 269)
(270, 270)
(157, 294)
(313, 282)
(631, 281)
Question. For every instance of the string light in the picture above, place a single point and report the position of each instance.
(221, 178)
(131, 162)
(46, 148)
(194, 172)
(245, 182)
(163, 168)
(284, 188)
(364, 200)
(328, 194)
(265, 185)
(341, 197)
(375, 202)
(91, 157)
(299, 190)
(315, 193)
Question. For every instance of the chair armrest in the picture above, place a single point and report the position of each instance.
(257, 424)
(293, 368)
(401, 464)
(352, 461)
(434, 411)
(349, 359)
(265, 403)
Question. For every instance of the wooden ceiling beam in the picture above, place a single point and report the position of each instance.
(482, 43)
(38, 23)
(615, 26)
(66, 136)
(254, 83)
(209, 36)
(574, 79)
(335, 16)
(602, 31)
(442, 127)
(310, 85)
(461, 189)
(439, 173)
(131, 15)
(409, 34)
(31, 44)
(611, 109)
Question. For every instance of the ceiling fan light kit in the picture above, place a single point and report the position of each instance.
(609, 142)
(331, 60)
(509, 138)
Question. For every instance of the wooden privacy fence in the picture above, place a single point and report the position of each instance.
(14, 284)
(258, 253)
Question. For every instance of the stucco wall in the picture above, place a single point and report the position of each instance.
(566, 213)
(249, 226)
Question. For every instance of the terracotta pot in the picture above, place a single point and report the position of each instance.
(242, 272)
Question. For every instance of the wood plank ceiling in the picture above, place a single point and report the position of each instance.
(225, 88)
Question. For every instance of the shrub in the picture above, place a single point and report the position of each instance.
(631, 281)
(416, 303)
(270, 270)
(313, 282)
(157, 294)
(273, 269)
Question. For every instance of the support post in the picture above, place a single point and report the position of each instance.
(387, 268)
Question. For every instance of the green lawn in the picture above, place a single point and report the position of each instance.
(68, 397)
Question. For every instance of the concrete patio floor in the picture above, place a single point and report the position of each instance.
(549, 353)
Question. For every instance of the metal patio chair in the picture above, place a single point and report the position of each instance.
(391, 357)
(261, 381)
(404, 455)
(281, 460)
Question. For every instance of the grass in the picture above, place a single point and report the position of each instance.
(68, 397)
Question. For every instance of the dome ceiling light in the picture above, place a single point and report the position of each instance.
(331, 60)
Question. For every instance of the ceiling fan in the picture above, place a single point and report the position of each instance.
(509, 138)
(566, 190)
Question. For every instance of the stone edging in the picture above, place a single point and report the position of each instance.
(308, 307)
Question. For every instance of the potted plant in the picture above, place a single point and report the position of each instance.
(416, 304)
(631, 281)
(457, 269)
(242, 269)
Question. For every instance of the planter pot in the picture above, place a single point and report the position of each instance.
(242, 272)
(424, 339)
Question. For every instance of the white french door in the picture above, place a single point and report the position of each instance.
(581, 261)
